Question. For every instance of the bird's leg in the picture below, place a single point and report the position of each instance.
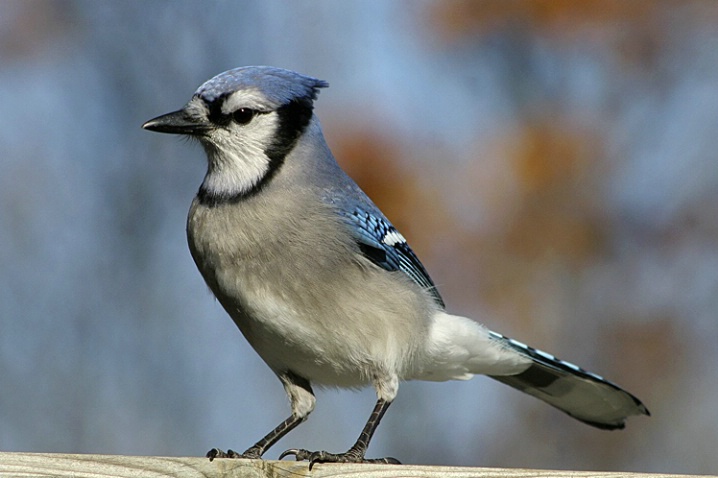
(356, 453)
(257, 450)
(302, 399)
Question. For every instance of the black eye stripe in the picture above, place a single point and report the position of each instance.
(216, 116)
(240, 116)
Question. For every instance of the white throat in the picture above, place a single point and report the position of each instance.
(235, 171)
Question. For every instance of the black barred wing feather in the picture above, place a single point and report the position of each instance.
(381, 243)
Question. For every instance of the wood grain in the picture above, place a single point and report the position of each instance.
(31, 465)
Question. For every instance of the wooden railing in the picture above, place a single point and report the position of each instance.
(34, 465)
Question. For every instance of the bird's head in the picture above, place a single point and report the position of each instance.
(247, 119)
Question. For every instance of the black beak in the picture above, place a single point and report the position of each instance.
(177, 122)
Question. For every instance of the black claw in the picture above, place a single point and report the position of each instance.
(214, 453)
(299, 454)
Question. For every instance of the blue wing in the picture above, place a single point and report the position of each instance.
(381, 243)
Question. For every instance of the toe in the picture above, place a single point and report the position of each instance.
(386, 461)
(299, 454)
(215, 453)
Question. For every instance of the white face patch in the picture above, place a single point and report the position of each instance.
(237, 162)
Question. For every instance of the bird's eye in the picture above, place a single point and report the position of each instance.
(243, 115)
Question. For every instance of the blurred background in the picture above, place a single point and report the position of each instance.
(552, 162)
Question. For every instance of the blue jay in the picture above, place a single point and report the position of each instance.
(321, 284)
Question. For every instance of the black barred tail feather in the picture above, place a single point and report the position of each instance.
(583, 395)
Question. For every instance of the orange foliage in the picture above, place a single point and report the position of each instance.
(551, 165)
(455, 19)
